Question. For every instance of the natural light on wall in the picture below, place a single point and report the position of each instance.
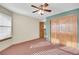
(5, 26)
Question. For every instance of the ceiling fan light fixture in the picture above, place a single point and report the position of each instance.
(40, 12)
(45, 7)
(41, 9)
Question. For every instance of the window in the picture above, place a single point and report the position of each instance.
(5, 26)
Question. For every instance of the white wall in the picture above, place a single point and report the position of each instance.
(24, 28)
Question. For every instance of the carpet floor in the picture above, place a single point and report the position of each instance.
(39, 47)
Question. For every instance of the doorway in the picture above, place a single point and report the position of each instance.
(41, 30)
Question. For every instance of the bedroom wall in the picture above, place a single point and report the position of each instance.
(24, 29)
(71, 12)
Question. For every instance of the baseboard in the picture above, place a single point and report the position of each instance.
(25, 41)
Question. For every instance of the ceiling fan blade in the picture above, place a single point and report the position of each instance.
(35, 7)
(47, 10)
(35, 11)
(42, 8)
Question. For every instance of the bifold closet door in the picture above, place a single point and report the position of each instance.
(64, 31)
(74, 32)
(54, 31)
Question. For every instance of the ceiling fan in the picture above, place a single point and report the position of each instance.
(41, 9)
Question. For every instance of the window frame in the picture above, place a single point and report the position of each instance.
(8, 27)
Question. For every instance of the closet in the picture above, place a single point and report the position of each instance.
(64, 31)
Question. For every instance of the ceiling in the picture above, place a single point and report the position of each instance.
(26, 9)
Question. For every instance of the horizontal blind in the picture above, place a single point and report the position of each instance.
(5, 26)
